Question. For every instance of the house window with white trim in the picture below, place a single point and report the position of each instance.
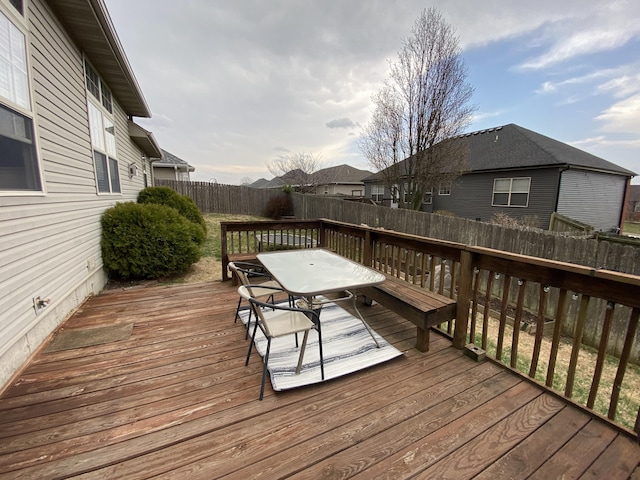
(428, 197)
(103, 133)
(377, 193)
(444, 190)
(511, 192)
(19, 166)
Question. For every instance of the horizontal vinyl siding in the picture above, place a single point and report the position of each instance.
(472, 194)
(50, 243)
(593, 198)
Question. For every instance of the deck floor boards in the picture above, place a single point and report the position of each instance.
(175, 400)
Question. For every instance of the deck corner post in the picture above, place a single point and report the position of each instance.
(368, 248)
(463, 301)
(223, 251)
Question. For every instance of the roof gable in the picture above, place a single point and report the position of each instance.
(511, 147)
(170, 160)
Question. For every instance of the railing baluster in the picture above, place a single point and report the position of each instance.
(515, 338)
(555, 342)
(542, 305)
(577, 342)
(474, 305)
(624, 360)
(423, 269)
(602, 353)
(506, 285)
(487, 307)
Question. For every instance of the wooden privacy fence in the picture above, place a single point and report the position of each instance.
(489, 287)
(597, 252)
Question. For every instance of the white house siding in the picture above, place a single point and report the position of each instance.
(591, 197)
(50, 243)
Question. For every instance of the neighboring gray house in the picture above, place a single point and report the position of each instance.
(170, 167)
(68, 151)
(522, 173)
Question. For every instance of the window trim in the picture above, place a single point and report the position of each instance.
(444, 190)
(510, 192)
(430, 193)
(19, 22)
(378, 195)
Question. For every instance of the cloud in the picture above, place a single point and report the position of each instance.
(342, 123)
(623, 116)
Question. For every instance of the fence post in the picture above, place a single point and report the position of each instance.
(465, 287)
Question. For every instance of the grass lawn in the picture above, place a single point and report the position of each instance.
(632, 228)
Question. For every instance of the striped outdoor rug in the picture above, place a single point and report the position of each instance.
(347, 348)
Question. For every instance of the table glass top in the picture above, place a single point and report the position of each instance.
(315, 271)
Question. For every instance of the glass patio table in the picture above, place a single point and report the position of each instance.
(311, 272)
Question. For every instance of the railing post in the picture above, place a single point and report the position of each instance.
(322, 235)
(465, 287)
(368, 248)
(223, 252)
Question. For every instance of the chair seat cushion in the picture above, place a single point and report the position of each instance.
(284, 322)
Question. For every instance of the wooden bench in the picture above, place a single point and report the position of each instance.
(421, 306)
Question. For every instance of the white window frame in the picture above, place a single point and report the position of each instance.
(511, 191)
(444, 190)
(103, 134)
(428, 197)
(16, 94)
(377, 193)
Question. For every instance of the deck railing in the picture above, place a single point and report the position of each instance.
(530, 314)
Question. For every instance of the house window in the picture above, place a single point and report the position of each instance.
(511, 192)
(17, 4)
(19, 168)
(377, 193)
(103, 134)
(97, 88)
(428, 197)
(444, 190)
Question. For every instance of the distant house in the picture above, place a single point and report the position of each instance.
(170, 167)
(342, 180)
(633, 204)
(524, 174)
(69, 150)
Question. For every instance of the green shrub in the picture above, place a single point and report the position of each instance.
(279, 206)
(142, 241)
(183, 204)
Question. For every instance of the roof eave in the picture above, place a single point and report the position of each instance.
(144, 140)
(89, 24)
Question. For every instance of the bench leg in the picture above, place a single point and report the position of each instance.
(422, 339)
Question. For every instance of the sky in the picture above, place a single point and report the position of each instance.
(233, 85)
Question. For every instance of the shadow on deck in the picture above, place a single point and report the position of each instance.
(175, 400)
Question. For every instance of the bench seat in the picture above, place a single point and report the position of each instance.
(420, 306)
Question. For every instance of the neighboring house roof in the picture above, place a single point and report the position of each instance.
(88, 23)
(634, 193)
(260, 183)
(342, 174)
(169, 160)
(513, 147)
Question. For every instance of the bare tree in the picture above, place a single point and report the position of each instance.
(423, 107)
(300, 170)
(246, 181)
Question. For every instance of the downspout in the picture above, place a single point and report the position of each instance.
(555, 207)
(625, 205)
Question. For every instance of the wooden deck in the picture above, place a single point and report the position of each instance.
(176, 401)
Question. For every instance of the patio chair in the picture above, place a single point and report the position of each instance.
(263, 286)
(277, 321)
